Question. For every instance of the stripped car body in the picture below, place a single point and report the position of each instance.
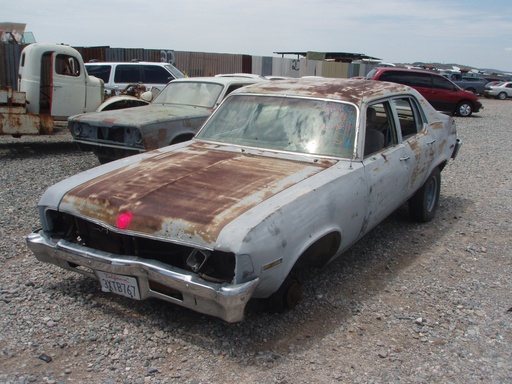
(284, 175)
(175, 115)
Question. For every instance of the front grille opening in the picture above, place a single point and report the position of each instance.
(167, 291)
(220, 266)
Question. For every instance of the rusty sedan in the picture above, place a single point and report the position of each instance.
(283, 176)
(174, 116)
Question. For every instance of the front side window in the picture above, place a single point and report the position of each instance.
(380, 132)
(440, 82)
(67, 65)
(154, 74)
(309, 126)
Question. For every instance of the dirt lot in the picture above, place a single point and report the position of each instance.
(410, 303)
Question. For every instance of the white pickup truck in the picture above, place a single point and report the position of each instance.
(53, 84)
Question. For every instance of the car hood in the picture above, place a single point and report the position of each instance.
(144, 115)
(188, 194)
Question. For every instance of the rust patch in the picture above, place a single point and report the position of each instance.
(14, 119)
(188, 193)
(349, 90)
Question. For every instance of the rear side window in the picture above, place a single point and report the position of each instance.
(154, 74)
(409, 117)
(100, 71)
(128, 74)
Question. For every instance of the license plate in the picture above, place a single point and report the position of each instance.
(119, 284)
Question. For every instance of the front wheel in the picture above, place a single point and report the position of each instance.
(287, 296)
(464, 109)
(502, 96)
(423, 204)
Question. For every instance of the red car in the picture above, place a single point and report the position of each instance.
(442, 93)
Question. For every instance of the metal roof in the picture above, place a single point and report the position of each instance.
(346, 57)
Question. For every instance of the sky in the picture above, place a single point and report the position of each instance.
(474, 33)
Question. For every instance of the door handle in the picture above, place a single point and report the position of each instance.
(431, 142)
(57, 86)
(405, 158)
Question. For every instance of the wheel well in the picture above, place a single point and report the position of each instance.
(182, 138)
(465, 101)
(320, 252)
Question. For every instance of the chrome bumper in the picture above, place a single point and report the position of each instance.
(226, 301)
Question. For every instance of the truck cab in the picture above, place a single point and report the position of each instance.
(55, 81)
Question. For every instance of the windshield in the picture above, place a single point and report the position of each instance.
(175, 71)
(282, 123)
(190, 93)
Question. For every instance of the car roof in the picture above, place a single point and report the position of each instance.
(224, 80)
(355, 91)
(126, 62)
(397, 69)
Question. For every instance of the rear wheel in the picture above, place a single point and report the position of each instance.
(502, 96)
(464, 109)
(423, 204)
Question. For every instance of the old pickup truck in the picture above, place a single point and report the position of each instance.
(472, 84)
(53, 84)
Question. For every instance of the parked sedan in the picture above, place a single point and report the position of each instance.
(174, 116)
(285, 175)
(499, 91)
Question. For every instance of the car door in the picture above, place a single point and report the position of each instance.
(417, 139)
(68, 86)
(445, 95)
(386, 162)
(508, 89)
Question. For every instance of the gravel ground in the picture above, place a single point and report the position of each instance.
(409, 303)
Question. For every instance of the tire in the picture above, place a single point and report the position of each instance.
(287, 296)
(423, 204)
(472, 90)
(181, 139)
(464, 109)
(502, 96)
(103, 160)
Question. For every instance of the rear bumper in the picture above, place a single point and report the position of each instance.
(155, 279)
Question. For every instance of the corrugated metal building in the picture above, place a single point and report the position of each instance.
(199, 63)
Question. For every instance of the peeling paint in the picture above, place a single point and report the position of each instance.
(191, 193)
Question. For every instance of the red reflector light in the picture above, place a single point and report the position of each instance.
(123, 220)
